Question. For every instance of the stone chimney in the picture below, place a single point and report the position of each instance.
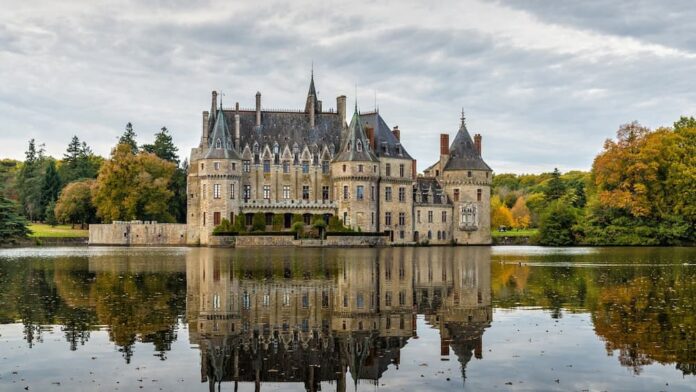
(204, 134)
(319, 106)
(258, 109)
(341, 108)
(397, 133)
(414, 169)
(312, 110)
(444, 144)
(477, 143)
(213, 105)
(236, 132)
(370, 133)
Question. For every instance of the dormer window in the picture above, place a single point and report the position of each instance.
(348, 146)
(218, 143)
(256, 148)
(358, 146)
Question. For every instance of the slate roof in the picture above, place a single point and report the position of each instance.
(356, 147)
(430, 184)
(286, 128)
(386, 144)
(220, 141)
(463, 153)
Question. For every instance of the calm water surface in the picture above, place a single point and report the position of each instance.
(478, 318)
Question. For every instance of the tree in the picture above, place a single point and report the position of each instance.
(557, 224)
(49, 214)
(128, 138)
(555, 188)
(521, 216)
(30, 181)
(500, 214)
(74, 204)
(50, 186)
(12, 225)
(78, 162)
(163, 146)
(133, 186)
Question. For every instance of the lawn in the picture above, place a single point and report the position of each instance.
(59, 231)
(515, 233)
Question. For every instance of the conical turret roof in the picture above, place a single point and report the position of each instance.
(220, 141)
(355, 146)
(463, 154)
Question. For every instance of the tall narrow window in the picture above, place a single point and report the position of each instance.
(387, 218)
(267, 192)
(387, 169)
(246, 166)
(266, 166)
(401, 170)
(286, 167)
(324, 167)
(305, 192)
(216, 165)
(430, 217)
(247, 192)
(324, 193)
(360, 192)
(388, 193)
(345, 192)
(286, 192)
(216, 191)
(402, 219)
(456, 194)
(479, 192)
(402, 194)
(216, 218)
(444, 216)
(232, 191)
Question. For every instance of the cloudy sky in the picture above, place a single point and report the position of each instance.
(544, 82)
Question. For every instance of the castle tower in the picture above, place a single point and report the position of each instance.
(466, 180)
(355, 172)
(214, 181)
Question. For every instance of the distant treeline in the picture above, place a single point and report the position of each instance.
(641, 191)
(136, 182)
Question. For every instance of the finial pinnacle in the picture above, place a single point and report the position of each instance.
(463, 118)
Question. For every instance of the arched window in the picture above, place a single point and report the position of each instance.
(358, 146)
(218, 143)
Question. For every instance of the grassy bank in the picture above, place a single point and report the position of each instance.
(515, 233)
(58, 231)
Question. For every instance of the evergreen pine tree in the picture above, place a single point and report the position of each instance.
(128, 138)
(163, 146)
(50, 186)
(555, 187)
(30, 181)
(12, 224)
(49, 214)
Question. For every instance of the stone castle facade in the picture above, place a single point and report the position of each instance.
(311, 162)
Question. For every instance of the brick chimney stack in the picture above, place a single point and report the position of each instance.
(477, 143)
(370, 133)
(444, 144)
(213, 105)
(397, 133)
(414, 169)
(204, 134)
(341, 107)
(236, 132)
(258, 109)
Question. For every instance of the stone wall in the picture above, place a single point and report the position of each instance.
(138, 233)
(251, 241)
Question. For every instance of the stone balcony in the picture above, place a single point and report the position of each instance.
(266, 205)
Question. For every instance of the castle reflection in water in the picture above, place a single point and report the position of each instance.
(331, 315)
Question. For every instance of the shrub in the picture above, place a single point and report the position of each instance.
(278, 222)
(258, 223)
(298, 228)
(239, 225)
(224, 227)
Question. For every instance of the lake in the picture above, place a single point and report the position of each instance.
(411, 319)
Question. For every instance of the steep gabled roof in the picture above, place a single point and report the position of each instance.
(463, 154)
(386, 144)
(220, 141)
(356, 147)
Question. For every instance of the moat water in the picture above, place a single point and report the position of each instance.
(411, 319)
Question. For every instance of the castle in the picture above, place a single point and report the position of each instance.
(312, 163)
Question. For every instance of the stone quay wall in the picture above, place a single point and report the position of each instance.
(257, 241)
(138, 233)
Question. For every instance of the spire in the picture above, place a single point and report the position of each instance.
(220, 140)
(463, 153)
(463, 118)
(312, 94)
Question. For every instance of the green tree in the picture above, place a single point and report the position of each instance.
(50, 186)
(74, 204)
(133, 186)
(12, 225)
(30, 181)
(258, 223)
(557, 224)
(163, 146)
(555, 188)
(78, 162)
(49, 214)
(128, 138)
